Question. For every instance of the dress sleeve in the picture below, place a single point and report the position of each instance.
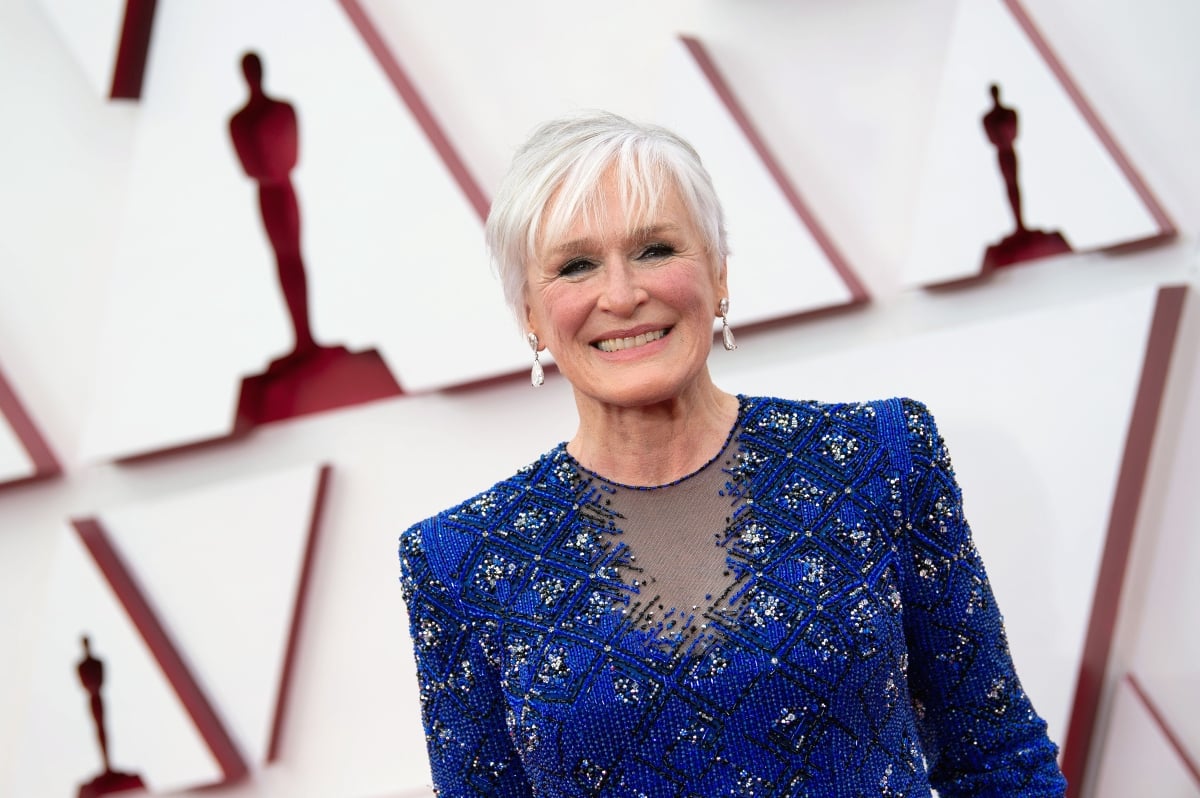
(462, 707)
(981, 734)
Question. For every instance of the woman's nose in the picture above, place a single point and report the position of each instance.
(621, 292)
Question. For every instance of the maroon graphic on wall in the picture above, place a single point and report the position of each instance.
(312, 377)
(133, 48)
(91, 675)
(1150, 402)
(1000, 125)
(12, 411)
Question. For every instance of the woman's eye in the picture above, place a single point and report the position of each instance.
(574, 267)
(658, 251)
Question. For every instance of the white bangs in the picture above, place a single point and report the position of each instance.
(641, 187)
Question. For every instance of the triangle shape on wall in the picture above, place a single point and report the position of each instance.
(149, 731)
(24, 453)
(783, 262)
(1025, 174)
(226, 569)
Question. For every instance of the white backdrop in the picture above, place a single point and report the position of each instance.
(843, 94)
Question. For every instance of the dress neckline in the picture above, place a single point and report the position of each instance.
(743, 402)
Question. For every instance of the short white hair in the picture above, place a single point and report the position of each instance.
(564, 161)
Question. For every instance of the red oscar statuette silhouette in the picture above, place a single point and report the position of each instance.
(91, 675)
(1000, 125)
(312, 377)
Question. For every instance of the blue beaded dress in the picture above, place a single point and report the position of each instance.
(848, 646)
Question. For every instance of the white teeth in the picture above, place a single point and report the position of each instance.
(617, 344)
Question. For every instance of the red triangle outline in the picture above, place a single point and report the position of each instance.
(45, 464)
(133, 50)
(858, 293)
(1118, 539)
(1141, 188)
(166, 653)
(283, 694)
(1190, 764)
(417, 106)
(170, 657)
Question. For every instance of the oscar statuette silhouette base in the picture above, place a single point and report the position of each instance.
(311, 381)
(1024, 245)
(110, 782)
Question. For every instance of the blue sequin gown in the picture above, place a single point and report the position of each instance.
(850, 645)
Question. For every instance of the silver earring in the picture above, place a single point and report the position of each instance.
(726, 333)
(536, 376)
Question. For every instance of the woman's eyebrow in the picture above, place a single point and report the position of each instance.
(574, 245)
(654, 229)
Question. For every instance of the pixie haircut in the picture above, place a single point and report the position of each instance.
(555, 178)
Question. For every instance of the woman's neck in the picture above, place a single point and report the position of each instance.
(653, 444)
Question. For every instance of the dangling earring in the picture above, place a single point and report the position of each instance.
(536, 376)
(726, 333)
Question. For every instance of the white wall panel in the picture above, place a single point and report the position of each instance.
(391, 245)
(223, 566)
(1070, 183)
(1165, 652)
(91, 32)
(777, 266)
(150, 732)
(63, 156)
(1138, 757)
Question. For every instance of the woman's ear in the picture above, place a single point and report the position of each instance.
(723, 279)
(531, 331)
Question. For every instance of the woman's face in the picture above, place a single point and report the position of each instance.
(627, 314)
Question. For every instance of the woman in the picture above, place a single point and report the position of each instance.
(699, 594)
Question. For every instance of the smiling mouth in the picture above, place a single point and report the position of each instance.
(618, 344)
